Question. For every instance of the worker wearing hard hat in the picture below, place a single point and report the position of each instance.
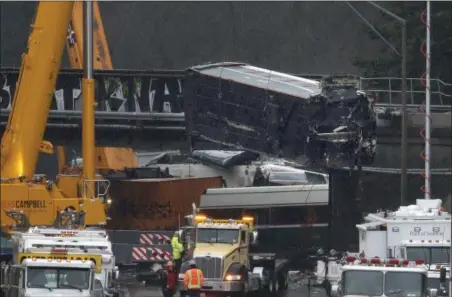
(193, 280)
(178, 249)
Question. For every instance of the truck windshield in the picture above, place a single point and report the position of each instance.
(218, 236)
(431, 255)
(404, 284)
(58, 278)
(433, 282)
(360, 282)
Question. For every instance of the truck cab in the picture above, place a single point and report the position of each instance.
(36, 277)
(70, 244)
(362, 277)
(221, 252)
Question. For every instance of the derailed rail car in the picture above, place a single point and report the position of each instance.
(328, 123)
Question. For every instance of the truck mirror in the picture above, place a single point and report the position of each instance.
(335, 291)
(254, 237)
(115, 275)
(432, 292)
(442, 275)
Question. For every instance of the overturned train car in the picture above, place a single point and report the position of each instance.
(328, 123)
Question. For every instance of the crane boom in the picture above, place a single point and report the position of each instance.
(107, 158)
(26, 198)
(26, 125)
(74, 44)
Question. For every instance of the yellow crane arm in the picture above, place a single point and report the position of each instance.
(107, 158)
(23, 135)
(74, 44)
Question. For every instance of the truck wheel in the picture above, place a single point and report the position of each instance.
(283, 281)
(273, 286)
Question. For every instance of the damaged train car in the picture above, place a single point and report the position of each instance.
(328, 123)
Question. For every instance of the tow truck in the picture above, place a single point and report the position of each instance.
(364, 277)
(420, 231)
(221, 250)
(68, 242)
(51, 274)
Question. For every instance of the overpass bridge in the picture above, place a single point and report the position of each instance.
(145, 109)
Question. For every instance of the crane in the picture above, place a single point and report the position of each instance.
(23, 191)
(108, 159)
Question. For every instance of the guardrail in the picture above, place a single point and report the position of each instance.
(388, 91)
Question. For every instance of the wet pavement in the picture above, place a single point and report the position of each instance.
(298, 287)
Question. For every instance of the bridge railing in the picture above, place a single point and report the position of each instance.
(388, 91)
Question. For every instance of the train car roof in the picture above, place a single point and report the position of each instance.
(264, 197)
(277, 82)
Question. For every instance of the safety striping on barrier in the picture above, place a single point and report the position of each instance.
(154, 238)
(150, 254)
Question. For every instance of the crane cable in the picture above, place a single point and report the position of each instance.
(423, 154)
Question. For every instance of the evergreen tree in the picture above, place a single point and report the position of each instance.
(388, 63)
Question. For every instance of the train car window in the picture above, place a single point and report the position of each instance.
(287, 215)
(315, 179)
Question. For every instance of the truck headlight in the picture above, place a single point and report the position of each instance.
(230, 277)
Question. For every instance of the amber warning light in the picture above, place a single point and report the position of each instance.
(200, 218)
(58, 251)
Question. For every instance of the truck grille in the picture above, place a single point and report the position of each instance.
(211, 267)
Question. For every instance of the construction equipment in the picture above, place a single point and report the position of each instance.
(34, 195)
(222, 251)
(383, 277)
(108, 159)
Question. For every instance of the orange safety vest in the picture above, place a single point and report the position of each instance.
(193, 279)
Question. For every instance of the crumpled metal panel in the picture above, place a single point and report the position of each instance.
(329, 122)
(155, 204)
(225, 159)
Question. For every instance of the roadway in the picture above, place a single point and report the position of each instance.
(298, 287)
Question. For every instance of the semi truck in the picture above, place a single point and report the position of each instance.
(222, 249)
(363, 277)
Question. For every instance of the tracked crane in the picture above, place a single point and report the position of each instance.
(107, 158)
(21, 190)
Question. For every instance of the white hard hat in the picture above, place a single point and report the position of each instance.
(191, 262)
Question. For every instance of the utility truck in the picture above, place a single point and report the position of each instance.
(364, 277)
(51, 275)
(221, 249)
(420, 231)
(67, 244)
